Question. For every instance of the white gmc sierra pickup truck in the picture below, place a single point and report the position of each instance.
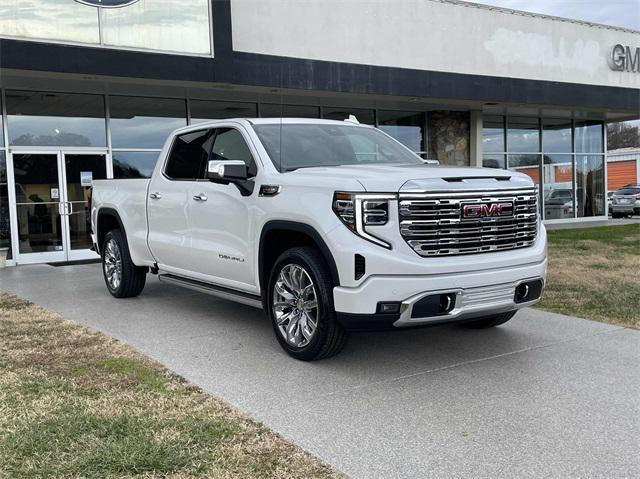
(329, 226)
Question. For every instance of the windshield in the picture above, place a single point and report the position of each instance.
(307, 145)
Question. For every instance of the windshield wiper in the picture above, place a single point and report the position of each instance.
(294, 168)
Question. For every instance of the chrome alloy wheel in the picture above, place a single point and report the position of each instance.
(295, 305)
(112, 264)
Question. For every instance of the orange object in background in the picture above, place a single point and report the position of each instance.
(620, 173)
(533, 173)
(564, 174)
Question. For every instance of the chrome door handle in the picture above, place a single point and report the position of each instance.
(200, 197)
(155, 196)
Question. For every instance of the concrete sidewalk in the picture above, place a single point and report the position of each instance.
(544, 395)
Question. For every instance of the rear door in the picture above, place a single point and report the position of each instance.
(169, 200)
(222, 246)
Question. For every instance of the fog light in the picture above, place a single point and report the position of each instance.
(522, 291)
(388, 308)
(529, 291)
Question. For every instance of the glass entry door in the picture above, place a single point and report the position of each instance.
(52, 204)
(39, 207)
(80, 169)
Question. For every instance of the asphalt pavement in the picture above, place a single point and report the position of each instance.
(544, 395)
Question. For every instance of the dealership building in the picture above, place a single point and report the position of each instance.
(89, 89)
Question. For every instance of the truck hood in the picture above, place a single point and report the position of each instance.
(408, 178)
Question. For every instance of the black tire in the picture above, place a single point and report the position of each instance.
(132, 277)
(490, 321)
(329, 337)
(617, 215)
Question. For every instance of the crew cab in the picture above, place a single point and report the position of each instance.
(329, 226)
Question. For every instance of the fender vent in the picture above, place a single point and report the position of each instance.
(359, 266)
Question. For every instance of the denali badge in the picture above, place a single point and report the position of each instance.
(486, 210)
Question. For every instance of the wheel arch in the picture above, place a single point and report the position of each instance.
(106, 220)
(303, 234)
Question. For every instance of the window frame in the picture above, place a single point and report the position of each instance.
(173, 144)
(247, 142)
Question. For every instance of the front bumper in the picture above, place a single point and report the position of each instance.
(477, 294)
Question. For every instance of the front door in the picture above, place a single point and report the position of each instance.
(222, 246)
(52, 192)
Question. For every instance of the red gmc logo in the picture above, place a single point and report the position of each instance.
(486, 210)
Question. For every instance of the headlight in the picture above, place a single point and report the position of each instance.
(359, 210)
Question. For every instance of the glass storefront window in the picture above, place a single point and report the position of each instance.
(523, 135)
(556, 136)
(589, 137)
(204, 110)
(558, 186)
(591, 194)
(55, 119)
(5, 225)
(138, 122)
(134, 164)
(363, 115)
(165, 25)
(494, 161)
(274, 110)
(493, 134)
(527, 164)
(406, 127)
(49, 20)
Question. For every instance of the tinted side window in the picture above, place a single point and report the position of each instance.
(189, 155)
(230, 145)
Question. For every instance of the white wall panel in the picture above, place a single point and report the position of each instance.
(432, 35)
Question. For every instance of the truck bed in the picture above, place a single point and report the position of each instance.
(129, 199)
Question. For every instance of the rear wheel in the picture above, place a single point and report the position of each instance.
(300, 306)
(490, 321)
(123, 278)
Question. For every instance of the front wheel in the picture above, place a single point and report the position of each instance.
(490, 321)
(123, 278)
(300, 306)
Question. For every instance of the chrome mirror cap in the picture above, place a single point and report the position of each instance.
(226, 170)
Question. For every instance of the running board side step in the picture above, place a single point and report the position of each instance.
(213, 289)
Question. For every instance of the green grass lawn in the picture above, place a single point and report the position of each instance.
(76, 403)
(594, 273)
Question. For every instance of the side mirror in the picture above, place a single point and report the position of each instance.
(430, 162)
(227, 171)
(230, 171)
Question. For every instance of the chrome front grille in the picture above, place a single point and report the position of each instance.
(432, 223)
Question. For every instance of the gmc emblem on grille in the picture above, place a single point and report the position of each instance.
(486, 210)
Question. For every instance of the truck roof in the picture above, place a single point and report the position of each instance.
(273, 121)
